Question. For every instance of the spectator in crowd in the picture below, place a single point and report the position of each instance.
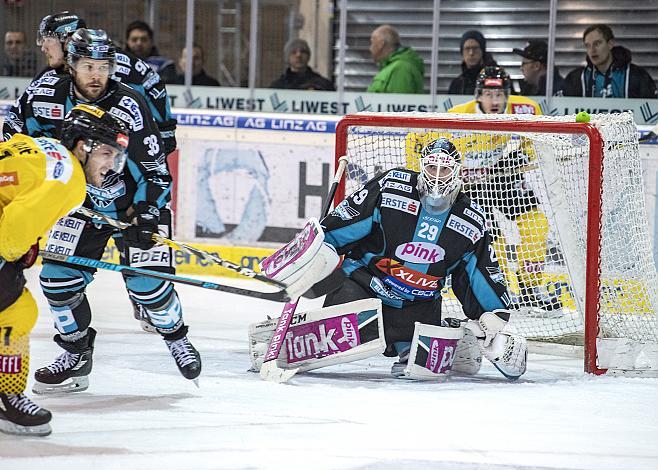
(139, 41)
(299, 75)
(533, 67)
(473, 48)
(400, 68)
(199, 75)
(18, 62)
(609, 72)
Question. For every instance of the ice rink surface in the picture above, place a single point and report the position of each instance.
(139, 412)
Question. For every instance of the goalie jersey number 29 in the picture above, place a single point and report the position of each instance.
(402, 254)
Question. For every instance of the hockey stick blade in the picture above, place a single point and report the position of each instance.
(270, 370)
(278, 296)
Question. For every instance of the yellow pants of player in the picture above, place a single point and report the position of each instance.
(16, 323)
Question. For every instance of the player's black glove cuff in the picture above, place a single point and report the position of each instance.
(168, 134)
(144, 226)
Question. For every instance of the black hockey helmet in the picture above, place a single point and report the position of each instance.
(59, 25)
(493, 77)
(91, 44)
(95, 126)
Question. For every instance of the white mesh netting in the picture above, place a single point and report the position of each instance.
(533, 186)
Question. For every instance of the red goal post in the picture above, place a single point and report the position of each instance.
(374, 142)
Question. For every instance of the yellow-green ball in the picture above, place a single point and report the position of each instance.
(582, 116)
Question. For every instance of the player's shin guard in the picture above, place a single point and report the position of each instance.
(432, 352)
(323, 337)
(70, 370)
(168, 318)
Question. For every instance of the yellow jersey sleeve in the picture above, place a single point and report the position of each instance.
(40, 182)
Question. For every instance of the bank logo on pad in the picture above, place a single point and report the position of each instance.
(420, 252)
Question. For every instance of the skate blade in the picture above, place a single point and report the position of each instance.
(196, 382)
(147, 327)
(73, 384)
(271, 372)
(16, 429)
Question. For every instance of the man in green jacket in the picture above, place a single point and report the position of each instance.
(400, 68)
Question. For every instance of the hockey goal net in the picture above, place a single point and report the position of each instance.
(565, 206)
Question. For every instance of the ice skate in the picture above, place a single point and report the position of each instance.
(397, 370)
(70, 371)
(187, 358)
(21, 416)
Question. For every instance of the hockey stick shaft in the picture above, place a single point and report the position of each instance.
(190, 249)
(279, 296)
(282, 326)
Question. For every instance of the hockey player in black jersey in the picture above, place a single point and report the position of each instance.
(52, 36)
(402, 234)
(140, 195)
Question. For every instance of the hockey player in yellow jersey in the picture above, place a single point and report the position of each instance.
(42, 180)
(493, 176)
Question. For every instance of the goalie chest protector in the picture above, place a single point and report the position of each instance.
(382, 228)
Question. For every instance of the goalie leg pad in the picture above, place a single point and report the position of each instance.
(323, 337)
(432, 352)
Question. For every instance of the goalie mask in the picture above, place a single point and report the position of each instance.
(439, 180)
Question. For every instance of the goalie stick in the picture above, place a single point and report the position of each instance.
(277, 296)
(190, 249)
(270, 370)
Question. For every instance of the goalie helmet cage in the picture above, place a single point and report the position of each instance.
(596, 253)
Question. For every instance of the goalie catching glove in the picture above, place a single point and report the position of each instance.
(508, 352)
(304, 261)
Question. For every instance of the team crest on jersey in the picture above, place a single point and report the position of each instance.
(345, 211)
(113, 188)
(463, 227)
(400, 203)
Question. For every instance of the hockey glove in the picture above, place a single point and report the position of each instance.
(507, 351)
(168, 134)
(145, 225)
